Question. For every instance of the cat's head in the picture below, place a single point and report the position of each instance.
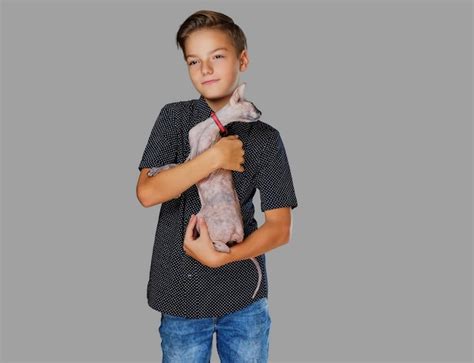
(240, 109)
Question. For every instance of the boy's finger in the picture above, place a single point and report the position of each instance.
(202, 223)
(189, 229)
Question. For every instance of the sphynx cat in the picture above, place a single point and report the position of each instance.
(220, 206)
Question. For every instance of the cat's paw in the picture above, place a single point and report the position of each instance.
(155, 170)
(221, 247)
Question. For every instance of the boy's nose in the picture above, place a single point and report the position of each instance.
(206, 68)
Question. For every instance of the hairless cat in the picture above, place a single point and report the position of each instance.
(220, 206)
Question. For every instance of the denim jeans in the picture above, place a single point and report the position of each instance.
(242, 336)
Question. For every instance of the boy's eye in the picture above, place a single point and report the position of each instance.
(192, 62)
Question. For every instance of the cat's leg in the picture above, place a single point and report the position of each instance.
(155, 170)
(221, 246)
(199, 139)
(193, 138)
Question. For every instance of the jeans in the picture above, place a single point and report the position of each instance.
(242, 336)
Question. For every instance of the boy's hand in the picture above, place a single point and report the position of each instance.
(229, 153)
(201, 248)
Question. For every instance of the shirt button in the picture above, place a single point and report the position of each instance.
(190, 275)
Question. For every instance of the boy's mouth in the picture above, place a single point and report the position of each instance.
(211, 81)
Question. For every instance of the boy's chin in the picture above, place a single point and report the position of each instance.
(212, 96)
(215, 95)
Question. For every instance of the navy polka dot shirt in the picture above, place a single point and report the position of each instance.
(178, 284)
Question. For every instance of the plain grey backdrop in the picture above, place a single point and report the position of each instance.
(373, 100)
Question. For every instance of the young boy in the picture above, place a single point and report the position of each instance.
(197, 289)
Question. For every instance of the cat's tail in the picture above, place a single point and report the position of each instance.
(254, 260)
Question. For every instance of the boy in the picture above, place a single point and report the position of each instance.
(197, 289)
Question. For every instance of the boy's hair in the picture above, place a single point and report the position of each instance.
(213, 20)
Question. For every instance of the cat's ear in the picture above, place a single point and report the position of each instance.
(234, 98)
(238, 94)
(241, 90)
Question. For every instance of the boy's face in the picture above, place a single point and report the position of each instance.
(205, 63)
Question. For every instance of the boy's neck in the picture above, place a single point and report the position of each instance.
(218, 103)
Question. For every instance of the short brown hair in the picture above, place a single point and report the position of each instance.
(214, 20)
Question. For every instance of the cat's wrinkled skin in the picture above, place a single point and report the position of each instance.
(220, 205)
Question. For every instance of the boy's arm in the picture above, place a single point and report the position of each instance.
(275, 232)
(170, 183)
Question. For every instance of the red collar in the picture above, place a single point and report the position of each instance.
(222, 129)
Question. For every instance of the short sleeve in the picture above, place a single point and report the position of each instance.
(274, 180)
(161, 148)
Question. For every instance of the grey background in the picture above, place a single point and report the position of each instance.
(373, 102)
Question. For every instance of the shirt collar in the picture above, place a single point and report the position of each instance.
(202, 110)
